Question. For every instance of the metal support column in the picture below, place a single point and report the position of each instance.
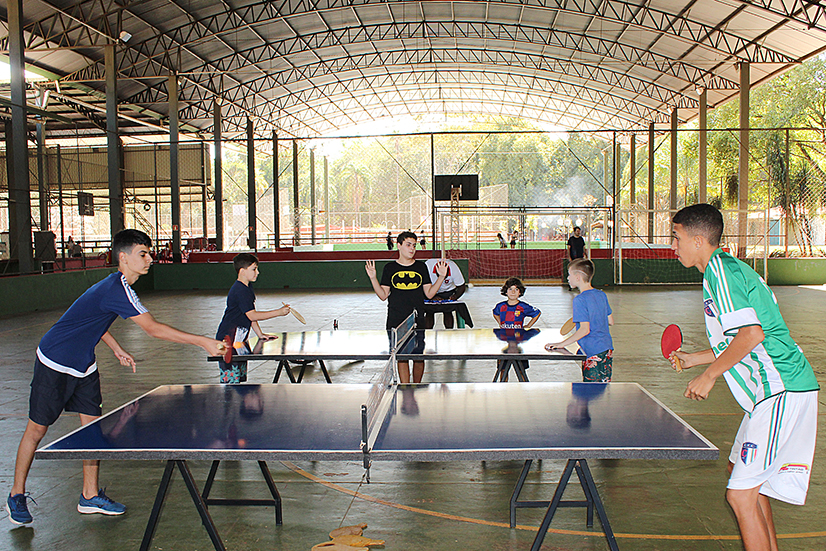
(174, 183)
(672, 173)
(743, 168)
(276, 214)
(326, 204)
(42, 185)
(59, 169)
(651, 146)
(252, 239)
(312, 196)
(113, 156)
(20, 200)
(703, 153)
(632, 199)
(296, 217)
(219, 175)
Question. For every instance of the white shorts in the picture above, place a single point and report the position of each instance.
(775, 445)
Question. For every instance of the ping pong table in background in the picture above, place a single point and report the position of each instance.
(432, 422)
(507, 348)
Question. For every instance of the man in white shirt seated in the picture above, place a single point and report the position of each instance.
(452, 288)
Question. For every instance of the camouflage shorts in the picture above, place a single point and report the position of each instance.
(597, 368)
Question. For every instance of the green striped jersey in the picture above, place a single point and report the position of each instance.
(734, 296)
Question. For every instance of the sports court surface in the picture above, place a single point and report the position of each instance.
(652, 504)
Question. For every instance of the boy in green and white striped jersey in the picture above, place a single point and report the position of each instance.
(766, 372)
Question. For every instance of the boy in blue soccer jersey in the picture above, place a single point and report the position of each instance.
(766, 372)
(593, 318)
(65, 371)
(240, 316)
(512, 313)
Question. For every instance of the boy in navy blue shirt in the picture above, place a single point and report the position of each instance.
(65, 370)
(241, 315)
(592, 315)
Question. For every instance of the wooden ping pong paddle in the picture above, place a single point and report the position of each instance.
(228, 349)
(298, 316)
(671, 341)
(568, 326)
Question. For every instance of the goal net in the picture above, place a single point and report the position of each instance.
(529, 243)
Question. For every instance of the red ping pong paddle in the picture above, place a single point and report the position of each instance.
(671, 341)
(228, 349)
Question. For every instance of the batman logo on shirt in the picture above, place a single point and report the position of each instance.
(406, 280)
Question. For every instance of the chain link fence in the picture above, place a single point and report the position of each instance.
(350, 192)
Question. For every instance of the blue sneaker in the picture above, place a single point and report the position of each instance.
(18, 509)
(101, 503)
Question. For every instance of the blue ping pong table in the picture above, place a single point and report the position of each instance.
(430, 422)
(506, 348)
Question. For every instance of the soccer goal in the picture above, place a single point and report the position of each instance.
(529, 243)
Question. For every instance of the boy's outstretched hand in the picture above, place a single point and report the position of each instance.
(125, 359)
(370, 268)
(212, 346)
(441, 268)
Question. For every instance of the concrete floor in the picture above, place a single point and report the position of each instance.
(652, 505)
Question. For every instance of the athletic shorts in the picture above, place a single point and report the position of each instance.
(232, 373)
(413, 345)
(775, 445)
(598, 368)
(54, 392)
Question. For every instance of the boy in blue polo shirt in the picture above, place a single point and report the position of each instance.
(593, 318)
(65, 371)
(240, 316)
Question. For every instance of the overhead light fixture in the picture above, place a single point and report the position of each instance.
(124, 37)
(699, 90)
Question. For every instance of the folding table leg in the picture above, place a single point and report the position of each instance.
(285, 365)
(592, 502)
(206, 519)
(603, 516)
(155, 515)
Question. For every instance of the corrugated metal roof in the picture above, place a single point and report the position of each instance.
(318, 68)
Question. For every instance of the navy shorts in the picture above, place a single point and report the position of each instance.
(54, 392)
(413, 345)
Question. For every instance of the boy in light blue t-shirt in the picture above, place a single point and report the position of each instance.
(593, 317)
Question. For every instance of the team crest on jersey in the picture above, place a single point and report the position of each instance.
(748, 452)
(707, 308)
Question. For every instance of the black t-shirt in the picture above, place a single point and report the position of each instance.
(577, 247)
(240, 300)
(406, 291)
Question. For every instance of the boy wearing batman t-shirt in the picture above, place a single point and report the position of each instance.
(404, 285)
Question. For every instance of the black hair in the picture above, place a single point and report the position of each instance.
(701, 219)
(406, 235)
(125, 240)
(243, 260)
(511, 281)
(577, 228)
